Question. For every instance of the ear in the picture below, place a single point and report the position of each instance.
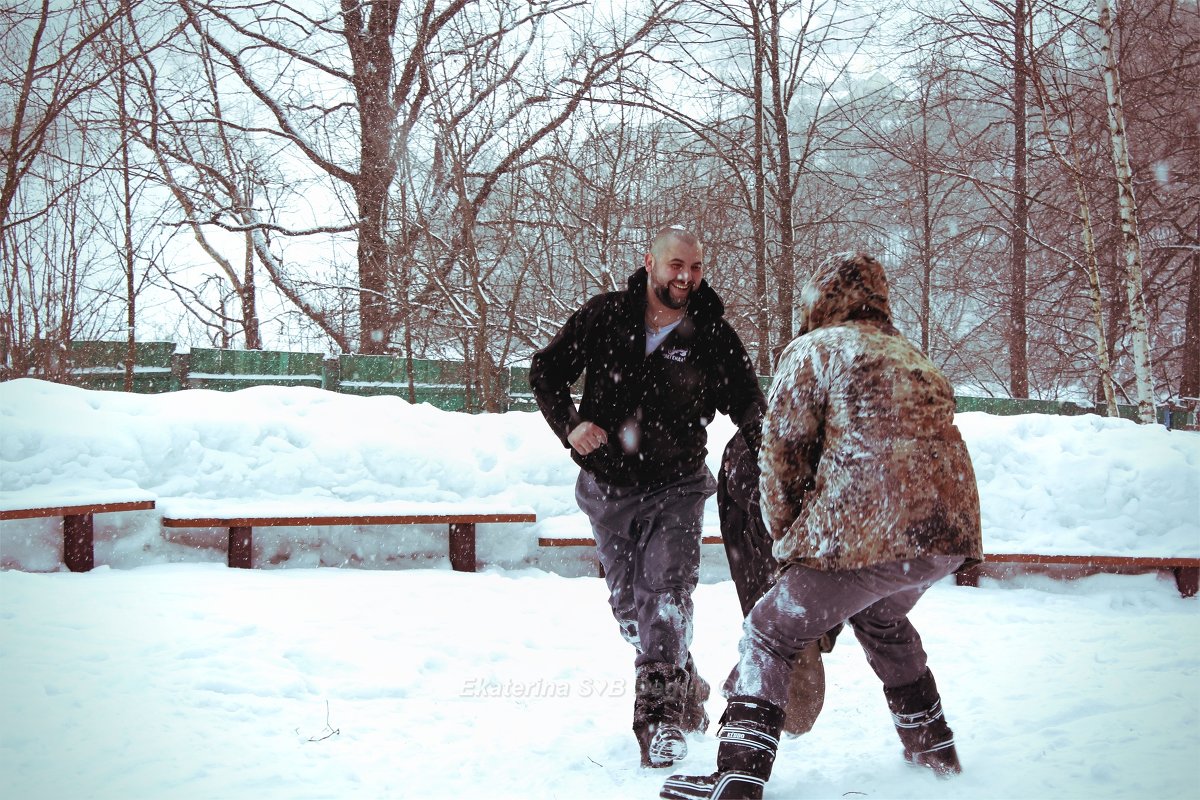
(649, 262)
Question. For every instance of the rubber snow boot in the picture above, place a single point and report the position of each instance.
(660, 691)
(928, 741)
(695, 718)
(749, 739)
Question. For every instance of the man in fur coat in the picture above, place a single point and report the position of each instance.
(869, 496)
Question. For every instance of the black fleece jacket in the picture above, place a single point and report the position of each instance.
(654, 408)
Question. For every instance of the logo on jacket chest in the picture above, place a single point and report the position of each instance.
(677, 354)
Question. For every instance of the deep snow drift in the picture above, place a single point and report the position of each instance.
(1081, 485)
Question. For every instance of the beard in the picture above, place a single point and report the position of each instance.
(663, 292)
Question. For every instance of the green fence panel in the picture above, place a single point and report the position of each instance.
(158, 368)
(1172, 418)
(230, 370)
(520, 395)
(101, 365)
(439, 383)
(1006, 406)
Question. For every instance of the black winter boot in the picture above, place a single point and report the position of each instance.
(749, 739)
(660, 691)
(695, 718)
(927, 739)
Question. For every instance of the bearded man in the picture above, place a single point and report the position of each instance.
(659, 361)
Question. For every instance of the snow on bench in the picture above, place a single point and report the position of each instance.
(587, 541)
(76, 510)
(1186, 570)
(241, 517)
(571, 531)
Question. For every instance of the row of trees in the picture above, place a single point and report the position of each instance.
(453, 178)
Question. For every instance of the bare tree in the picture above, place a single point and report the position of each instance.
(990, 42)
(1058, 109)
(50, 53)
(51, 64)
(1159, 64)
(924, 210)
(386, 72)
(1127, 205)
(755, 86)
(219, 179)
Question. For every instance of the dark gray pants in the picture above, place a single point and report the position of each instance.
(804, 603)
(648, 542)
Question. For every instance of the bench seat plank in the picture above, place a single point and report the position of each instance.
(1186, 570)
(1090, 561)
(241, 529)
(211, 521)
(575, 541)
(34, 512)
(79, 552)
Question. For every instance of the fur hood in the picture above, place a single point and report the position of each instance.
(848, 286)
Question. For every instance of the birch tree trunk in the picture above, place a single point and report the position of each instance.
(1018, 323)
(1127, 206)
(1072, 167)
(766, 360)
(785, 272)
(126, 214)
(1103, 362)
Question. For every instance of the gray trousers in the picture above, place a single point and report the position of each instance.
(648, 542)
(804, 603)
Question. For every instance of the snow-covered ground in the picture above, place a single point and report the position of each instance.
(164, 674)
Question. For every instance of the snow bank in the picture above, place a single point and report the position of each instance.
(1083, 485)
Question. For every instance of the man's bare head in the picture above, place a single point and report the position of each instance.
(670, 235)
(674, 268)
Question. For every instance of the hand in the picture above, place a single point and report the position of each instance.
(587, 437)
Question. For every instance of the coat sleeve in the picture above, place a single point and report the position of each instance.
(739, 395)
(791, 439)
(558, 365)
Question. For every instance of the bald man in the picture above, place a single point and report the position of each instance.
(659, 361)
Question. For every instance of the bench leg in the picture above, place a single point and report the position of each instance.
(240, 547)
(1188, 580)
(462, 546)
(967, 576)
(78, 537)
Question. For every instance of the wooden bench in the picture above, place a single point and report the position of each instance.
(241, 529)
(1185, 570)
(575, 541)
(78, 532)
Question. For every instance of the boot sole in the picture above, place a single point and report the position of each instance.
(667, 747)
(696, 787)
